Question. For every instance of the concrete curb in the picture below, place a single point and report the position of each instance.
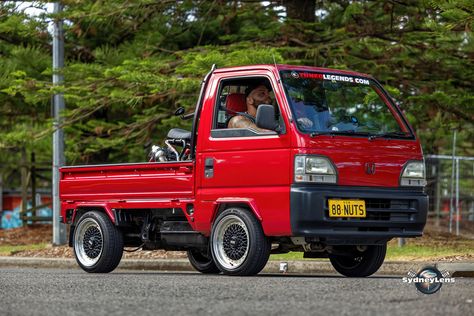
(457, 269)
(399, 268)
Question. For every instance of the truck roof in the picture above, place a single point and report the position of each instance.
(279, 67)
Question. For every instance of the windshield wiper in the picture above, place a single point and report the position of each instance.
(332, 133)
(313, 134)
(390, 135)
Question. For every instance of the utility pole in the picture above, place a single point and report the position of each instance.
(59, 229)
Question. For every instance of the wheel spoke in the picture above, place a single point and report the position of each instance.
(231, 245)
(92, 242)
(235, 242)
(88, 242)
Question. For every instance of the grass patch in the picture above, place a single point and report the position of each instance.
(289, 256)
(395, 253)
(8, 250)
(417, 252)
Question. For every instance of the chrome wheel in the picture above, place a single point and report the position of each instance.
(88, 242)
(231, 242)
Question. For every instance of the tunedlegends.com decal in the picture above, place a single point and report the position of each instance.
(330, 77)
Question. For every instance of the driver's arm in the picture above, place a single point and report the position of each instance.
(240, 121)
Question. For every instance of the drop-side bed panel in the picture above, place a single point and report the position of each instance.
(127, 181)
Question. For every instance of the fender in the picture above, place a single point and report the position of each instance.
(105, 206)
(234, 200)
(78, 205)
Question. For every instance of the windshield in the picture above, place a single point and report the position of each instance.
(332, 104)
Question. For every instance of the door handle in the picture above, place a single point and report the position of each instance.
(209, 168)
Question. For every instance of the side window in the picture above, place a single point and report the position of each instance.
(232, 102)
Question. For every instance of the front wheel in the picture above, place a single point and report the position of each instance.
(98, 244)
(238, 244)
(202, 261)
(359, 262)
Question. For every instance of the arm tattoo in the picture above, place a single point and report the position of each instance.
(240, 121)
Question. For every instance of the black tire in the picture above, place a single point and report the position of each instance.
(202, 262)
(97, 243)
(238, 244)
(360, 264)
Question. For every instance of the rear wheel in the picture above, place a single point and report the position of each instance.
(359, 262)
(238, 244)
(202, 261)
(98, 244)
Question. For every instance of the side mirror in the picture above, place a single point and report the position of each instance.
(266, 117)
(180, 112)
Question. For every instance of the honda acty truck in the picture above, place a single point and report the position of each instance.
(333, 170)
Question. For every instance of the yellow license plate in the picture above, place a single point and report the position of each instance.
(346, 208)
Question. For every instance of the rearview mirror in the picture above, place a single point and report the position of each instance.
(266, 117)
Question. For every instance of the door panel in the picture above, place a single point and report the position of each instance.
(258, 173)
(255, 168)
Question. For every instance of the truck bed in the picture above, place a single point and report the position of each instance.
(154, 180)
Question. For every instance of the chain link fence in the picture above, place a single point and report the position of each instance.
(451, 191)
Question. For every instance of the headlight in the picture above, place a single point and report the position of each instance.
(314, 169)
(413, 174)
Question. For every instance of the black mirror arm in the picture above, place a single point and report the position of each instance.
(187, 116)
(180, 112)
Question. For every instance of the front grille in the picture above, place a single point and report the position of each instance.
(381, 210)
(377, 203)
(377, 216)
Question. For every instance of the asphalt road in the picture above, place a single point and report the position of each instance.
(73, 292)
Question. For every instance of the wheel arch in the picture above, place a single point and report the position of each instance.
(81, 209)
(225, 203)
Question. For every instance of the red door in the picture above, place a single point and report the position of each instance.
(250, 167)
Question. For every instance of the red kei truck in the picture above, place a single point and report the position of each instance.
(333, 170)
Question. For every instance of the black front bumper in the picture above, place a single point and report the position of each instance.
(390, 213)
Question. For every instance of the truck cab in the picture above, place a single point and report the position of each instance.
(329, 167)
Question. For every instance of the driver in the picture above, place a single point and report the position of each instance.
(254, 96)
